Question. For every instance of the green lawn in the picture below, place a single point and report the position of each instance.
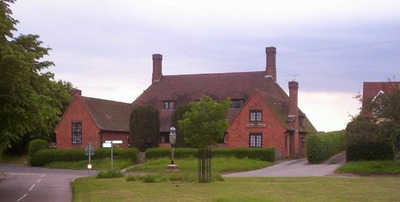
(241, 189)
(188, 167)
(371, 168)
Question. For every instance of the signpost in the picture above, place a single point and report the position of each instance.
(109, 144)
(89, 152)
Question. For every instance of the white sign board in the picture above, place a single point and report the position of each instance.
(107, 145)
(114, 141)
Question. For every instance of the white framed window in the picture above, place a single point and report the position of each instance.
(255, 140)
(76, 132)
(168, 105)
(255, 115)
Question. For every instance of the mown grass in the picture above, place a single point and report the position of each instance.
(370, 168)
(156, 168)
(240, 189)
(98, 164)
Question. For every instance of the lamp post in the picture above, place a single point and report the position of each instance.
(172, 141)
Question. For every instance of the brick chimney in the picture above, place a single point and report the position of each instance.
(75, 91)
(157, 68)
(293, 118)
(271, 62)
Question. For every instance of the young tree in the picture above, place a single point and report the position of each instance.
(203, 126)
(31, 101)
(144, 127)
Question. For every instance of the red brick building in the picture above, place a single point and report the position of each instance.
(261, 114)
(95, 120)
(371, 90)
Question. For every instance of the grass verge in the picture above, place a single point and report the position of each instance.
(15, 159)
(240, 189)
(370, 168)
(98, 164)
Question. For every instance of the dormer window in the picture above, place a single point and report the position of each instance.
(255, 115)
(168, 105)
(236, 103)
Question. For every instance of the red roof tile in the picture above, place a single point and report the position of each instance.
(109, 115)
(186, 88)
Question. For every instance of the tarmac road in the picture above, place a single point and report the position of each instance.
(23, 183)
(296, 168)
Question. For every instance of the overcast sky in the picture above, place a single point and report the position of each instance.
(104, 47)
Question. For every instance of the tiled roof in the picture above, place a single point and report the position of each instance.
(109, 115)
(186, 88)
(280, 109)
(371, 89)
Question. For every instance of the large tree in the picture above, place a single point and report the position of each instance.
(203, 126)
(31, 101)
(144, 127)
(386, 112)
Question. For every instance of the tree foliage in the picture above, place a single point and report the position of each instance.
(177, 116)
(376, 137)
(31, 101)
(386, 107)
(205, 123)
(144, 127)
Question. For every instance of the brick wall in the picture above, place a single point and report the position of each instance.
(273, 133)
(76, 112)
(124, 136)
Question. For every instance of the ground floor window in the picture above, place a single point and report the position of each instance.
(76, 132)
(255, 140)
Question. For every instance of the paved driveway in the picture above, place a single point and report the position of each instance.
(296, 168)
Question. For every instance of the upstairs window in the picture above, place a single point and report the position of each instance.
(76, 132)
(255, 140)
(168, 105)
(255, 115)
(236, 103)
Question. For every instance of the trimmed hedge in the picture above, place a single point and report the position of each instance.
(321, 146)
(46, 156)
(155, 153)
(36, 145)
(264, 154)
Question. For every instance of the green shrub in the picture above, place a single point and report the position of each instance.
(264, 154)
(36, 145)
(321, 146)
(46, 156)
(110, 174)
(365, 141)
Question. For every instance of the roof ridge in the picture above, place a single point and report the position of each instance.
(100, 99)
(207, 74)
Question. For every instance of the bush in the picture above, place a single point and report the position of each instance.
(321, 146)
(46, 156)
(264, 154)
(365, 141)
(36, 145)
(155, 153)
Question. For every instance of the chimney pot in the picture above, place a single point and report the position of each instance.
(157, 68)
